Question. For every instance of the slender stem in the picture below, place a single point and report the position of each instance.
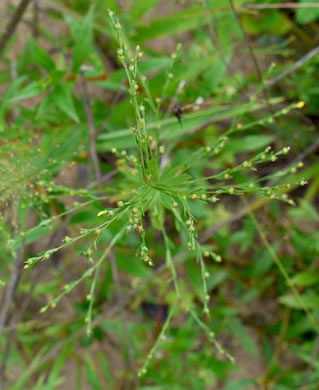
(35, 22)
(293, 67)
(217, 44)
(252, 54)
(13, 23)
(11, 288)
(284, 272)
(279, 6)
(121, 302)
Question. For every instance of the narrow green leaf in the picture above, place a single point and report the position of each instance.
(237, 329)
(15, 85)
(40, 57)
(91, 374)
(105, 367)
(310, 301)
(306, 278)
(63, 98)
(59, 362)
(31, 90)
(171, 128)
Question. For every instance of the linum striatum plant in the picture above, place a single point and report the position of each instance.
(154, 187)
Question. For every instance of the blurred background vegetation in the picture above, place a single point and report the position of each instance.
(65, 106)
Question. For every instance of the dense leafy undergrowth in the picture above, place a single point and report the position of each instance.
(159, 193)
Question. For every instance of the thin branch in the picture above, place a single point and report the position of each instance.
(12, 330)
(10, 339)
(11, 288)
(301, 156)
(110, 313)
(279, 6)
(13, 23)
(35, 22)
(92, 134)
(213, 34)
(256, 203)
(104, 179)
(247, 40)
(121, 303)
(251, 52)
(10, 292)
(217, 44)
(207, 234)
(203, 238)
(295, 66)
(311, 148)
(15, 273)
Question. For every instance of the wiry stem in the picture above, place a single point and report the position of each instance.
(35, 22)
(293, 67)
(121, 302)
(217, 44)
(13, 23)
(281, 6)
(252, 54)
(11, 288)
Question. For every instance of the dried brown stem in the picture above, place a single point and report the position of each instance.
(13, 24)
(11, 288)
(12, 330)
(281, 6)
(251, 52)
(15, 273)
(35, 22)
(292, 68)
(104, 179)
(8, 296)
(217, 44)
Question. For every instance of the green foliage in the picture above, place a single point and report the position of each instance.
(305, 15)
(185, 246)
